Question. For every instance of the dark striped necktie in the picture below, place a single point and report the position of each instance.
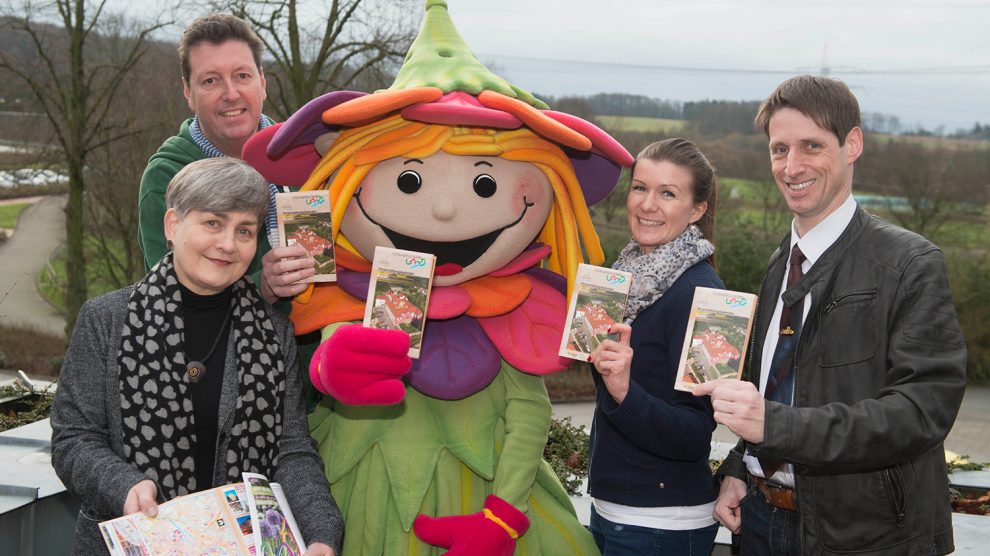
(780, 383)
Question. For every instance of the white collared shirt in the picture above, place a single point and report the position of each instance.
(813, 245)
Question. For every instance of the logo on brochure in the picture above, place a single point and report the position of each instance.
(615, 278)
(415, 262)
(316, 200)
(736, 301)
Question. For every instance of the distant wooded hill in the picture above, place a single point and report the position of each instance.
(716, 116)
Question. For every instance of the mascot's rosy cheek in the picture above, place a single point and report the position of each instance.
(474, 213)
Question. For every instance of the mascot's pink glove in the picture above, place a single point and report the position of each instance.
(362, 366)
(490, 532)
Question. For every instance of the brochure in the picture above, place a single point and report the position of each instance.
(275, 531)
(304, 219)
(217, 522)
(716, 337)
(399, 293)
(597, 302)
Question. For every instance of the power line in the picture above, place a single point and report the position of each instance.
(900, 4)
(979, 69)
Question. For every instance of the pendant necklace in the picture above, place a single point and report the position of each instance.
(196, 369)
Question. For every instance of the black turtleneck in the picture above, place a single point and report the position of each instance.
(204, 316)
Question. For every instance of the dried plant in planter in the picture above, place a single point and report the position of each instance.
(970, 501)
(567, 453)
(19, 407)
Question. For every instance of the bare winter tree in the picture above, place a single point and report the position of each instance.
(114, 170)
(922, 183)
(349, 44)
(75, 72)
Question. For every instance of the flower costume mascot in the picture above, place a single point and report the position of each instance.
(446, 451)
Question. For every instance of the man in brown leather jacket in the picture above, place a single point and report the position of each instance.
(844, 454)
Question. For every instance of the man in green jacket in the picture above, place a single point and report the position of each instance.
(224, 84)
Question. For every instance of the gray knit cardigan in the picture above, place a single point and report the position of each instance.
(87, 437)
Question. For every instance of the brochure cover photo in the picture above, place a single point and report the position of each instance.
(275, 531)
(598, 301)
(399, 293)
(716, 337)
(304, 219)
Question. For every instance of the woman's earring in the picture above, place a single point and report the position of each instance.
(169, 244)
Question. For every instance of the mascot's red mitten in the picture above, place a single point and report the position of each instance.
(491, 532)
(362, 366)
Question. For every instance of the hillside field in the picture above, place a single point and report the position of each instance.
(619, 124)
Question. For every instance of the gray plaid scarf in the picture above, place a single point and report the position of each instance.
(656, 271)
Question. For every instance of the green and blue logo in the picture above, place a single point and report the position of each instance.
(736, 301)
(316, 200)
(415, 262)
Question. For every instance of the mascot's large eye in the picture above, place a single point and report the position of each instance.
(484, 185)
(409, 182)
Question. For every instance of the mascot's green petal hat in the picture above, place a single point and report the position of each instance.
(441, 82)
(440, 58)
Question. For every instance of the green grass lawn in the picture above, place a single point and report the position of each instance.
(9, 214)
(965, 233)
(932, 141)
(748, 190)
(617, 124)
(965, 229)
(51, 280)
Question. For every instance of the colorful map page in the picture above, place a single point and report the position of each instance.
(197, 524)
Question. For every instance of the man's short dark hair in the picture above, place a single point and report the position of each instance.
(217, 29)
(828, 102)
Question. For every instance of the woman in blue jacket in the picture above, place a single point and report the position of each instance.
(650, 482)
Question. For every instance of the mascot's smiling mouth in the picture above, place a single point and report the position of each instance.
(452, 256)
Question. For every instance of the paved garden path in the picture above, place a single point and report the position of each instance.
(40, 230)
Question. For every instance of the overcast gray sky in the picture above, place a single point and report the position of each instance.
(925, 61)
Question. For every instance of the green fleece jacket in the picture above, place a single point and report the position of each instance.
(174, 154)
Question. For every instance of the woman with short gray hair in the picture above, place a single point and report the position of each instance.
(220, 186)
(188, 378)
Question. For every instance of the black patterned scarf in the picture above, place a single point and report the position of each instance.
(656, 271)
(155, 402)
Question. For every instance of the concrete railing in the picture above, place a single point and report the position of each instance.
(37, 514)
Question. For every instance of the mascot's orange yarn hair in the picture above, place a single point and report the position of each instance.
(356, 151)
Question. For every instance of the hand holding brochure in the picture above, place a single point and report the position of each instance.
(716, 338)
(304, 219)
(216, 522)
(598, 301)
(399, 293)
